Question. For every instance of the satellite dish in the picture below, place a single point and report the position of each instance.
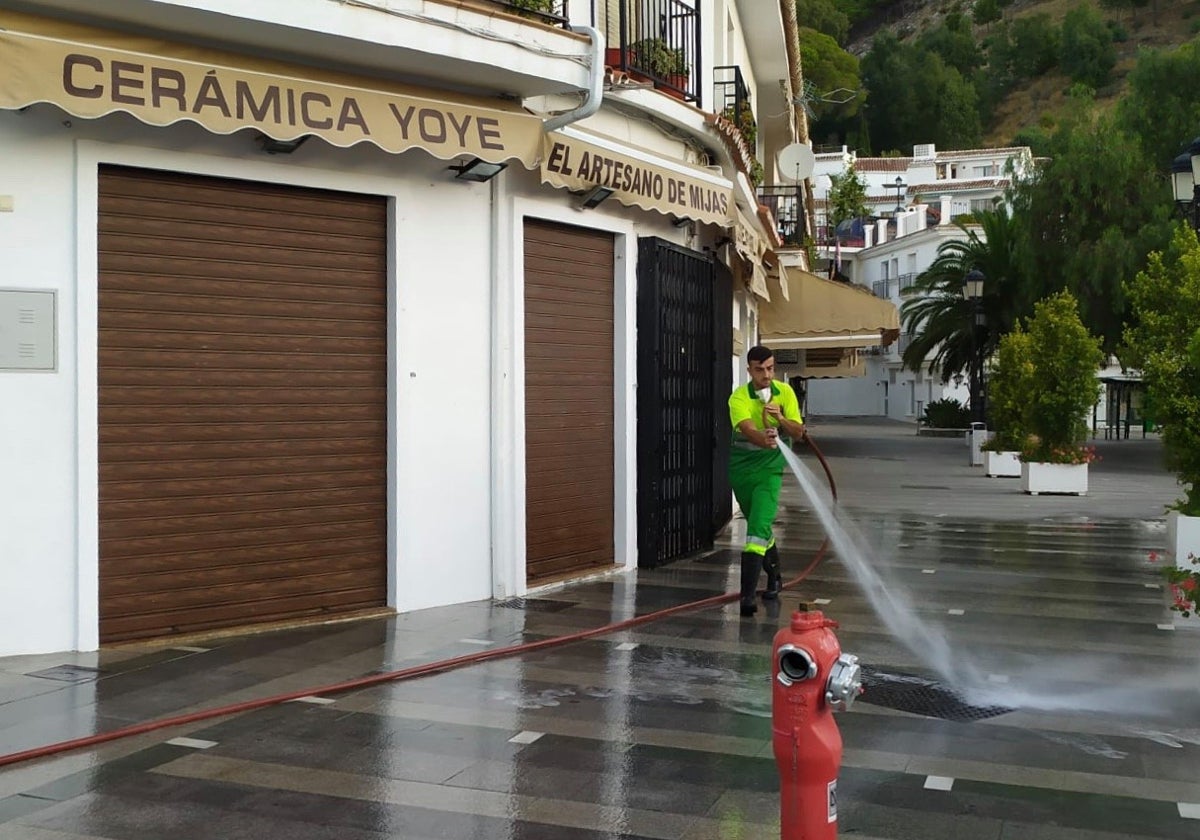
(796, 162)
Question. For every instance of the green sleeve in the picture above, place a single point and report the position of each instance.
(791, 405)
(739, 407)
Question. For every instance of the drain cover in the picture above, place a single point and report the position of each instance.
(534, 604)
(67, 673)
(920, 696)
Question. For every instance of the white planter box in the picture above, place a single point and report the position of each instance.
(1002, 464)
(1183, 538)
(1038, 477)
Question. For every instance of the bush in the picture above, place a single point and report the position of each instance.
(1012, 386)
(1064, 358)
(946, 414)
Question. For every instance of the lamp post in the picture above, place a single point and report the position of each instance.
(899, 186)
(1185, 178)
(973, 293)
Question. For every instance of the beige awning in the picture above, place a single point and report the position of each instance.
(90, 72)
(823, 313)
(833, 363)
(574, 160)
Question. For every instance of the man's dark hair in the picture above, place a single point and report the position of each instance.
(759, 354)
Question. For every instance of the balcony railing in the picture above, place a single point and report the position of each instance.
(882, 288)
(553, 12)
(787, 206)
(907, 280)
(655, 40)
(731, 99)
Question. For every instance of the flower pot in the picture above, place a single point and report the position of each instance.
(1183, 537)
(1002, 464)
(1038, 477)
(679, 81)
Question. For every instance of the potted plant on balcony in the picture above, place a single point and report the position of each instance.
(1065, 358)
(1011, 389)
(743, 118)
(1163, 340)
(545, 7)
(666, 63)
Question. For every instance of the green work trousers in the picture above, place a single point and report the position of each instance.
(756, 479)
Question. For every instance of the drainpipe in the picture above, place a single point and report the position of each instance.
(595, 93)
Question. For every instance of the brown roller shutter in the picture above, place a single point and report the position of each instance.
(243, 418)
(569, 396)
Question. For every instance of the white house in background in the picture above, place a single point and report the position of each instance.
(913, 202)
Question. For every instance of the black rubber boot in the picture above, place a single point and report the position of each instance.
(750, 563)
(770, 564)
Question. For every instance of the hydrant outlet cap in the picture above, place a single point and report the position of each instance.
(808, 620)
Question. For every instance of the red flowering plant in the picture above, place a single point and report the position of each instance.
(1185, 586)
(1035, 449)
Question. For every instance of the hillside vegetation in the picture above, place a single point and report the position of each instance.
(973, 72)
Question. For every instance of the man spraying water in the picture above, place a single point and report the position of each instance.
(759, 411)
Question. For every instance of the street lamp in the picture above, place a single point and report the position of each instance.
(972, 290)
(1185, 178)
(900, 186)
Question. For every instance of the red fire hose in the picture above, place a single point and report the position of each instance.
(438, 667)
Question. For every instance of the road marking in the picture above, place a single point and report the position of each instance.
(480, 642)
(526, 737)
(1166, 627)
(191, 649)
(939, 783)
(1189, 810)
(821, 601)
(627, 646)
(316, 701)
(929, 571)
(193, 743)
(956, 612)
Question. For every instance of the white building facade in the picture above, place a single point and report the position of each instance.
(914, 204)
(315, 309)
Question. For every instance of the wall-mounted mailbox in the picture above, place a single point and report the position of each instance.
(28, 330)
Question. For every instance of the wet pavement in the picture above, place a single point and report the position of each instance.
(1092, 731)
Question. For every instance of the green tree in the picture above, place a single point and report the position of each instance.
(942, 109)
(1163, 340)
(986, 11)
(847, 197)
(830, 68)
(1037, 42)
(1065, 359)
(1088, 53)
(954, 41)
(1090, 216)
(1161, 108)
(937, 316)
(824, 16)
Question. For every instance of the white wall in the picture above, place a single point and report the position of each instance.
(440, 319)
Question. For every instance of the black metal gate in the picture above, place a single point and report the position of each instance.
(684, 376)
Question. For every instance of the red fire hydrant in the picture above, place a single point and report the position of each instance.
(812, 680)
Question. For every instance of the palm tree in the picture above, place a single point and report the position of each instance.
(938, 317)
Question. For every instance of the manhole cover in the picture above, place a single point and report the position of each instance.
(920, 696)
(535, 604)
(67, 673)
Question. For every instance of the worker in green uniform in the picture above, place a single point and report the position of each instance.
(760, 411)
